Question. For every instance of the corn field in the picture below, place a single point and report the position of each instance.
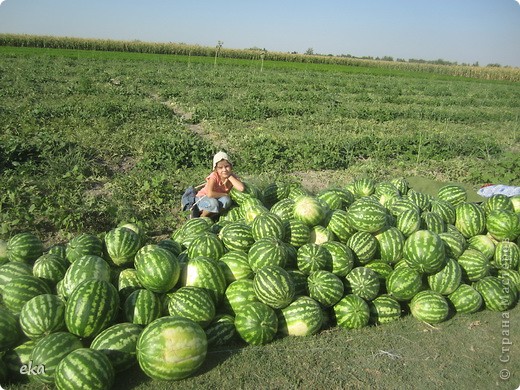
(50, 42)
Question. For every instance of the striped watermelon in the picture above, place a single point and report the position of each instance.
(390, 244)
(364, 245)
(9, 331)
(86, 267)
(21, 289)
(336, 198)
(408, 222)
(382, 269)
(400, 205)
(24, 247)
(512, 275)
(251, 211)
(303, 317)
(325, 287)
(171, 348)
(401, 184)
(470, 219)
(424, 252)
(83, 244)
(352, 312)
(142, 307)
(158, 269)
(507, 255)
(194, 303)
(443, 209)
(221, 330)
(474, 265)
(342, 257)
(433, 222)
(503, 225)
(237, 236)
(429, 306)
(498, 202)
(127, 282)
(363, 186)
(299, 280)
(192, 228)
(448, 279)
(238, 294)
(206, 244)
(465, 299)
(205, 273)
(274, 192)
(363, 282)
(421, 199)
(297, 233)
(320, 234)
(497, 294)
(11, 270)
(483, 243)
(386, 188)
(49, 351)
(452, 193)
(267, 251)
(268, 225)
(121, 245)
(312, 257)
(454, 244)
(403, 283)
(256, 323)
(309, 210)
(384, 309)
(367, 215)
(18, 357)
(92, 307)
(50, 268)
(283, 208)
(274, 286)
(339, 225)
(42, 315)
(118, 342)
(171, 245)
(235, 265)
(84, 368)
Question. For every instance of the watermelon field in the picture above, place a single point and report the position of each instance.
(359, 255)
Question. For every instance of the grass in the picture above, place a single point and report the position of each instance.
(89, 139)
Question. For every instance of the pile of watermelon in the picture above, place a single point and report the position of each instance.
(280, 262)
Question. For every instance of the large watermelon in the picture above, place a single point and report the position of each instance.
(118, 342)
(352, 312)
(424, 252)
(121, 245)
(171, 348)
(24, 247)
(274, 286)
(157, 268)
(84, 368)
(256, 323)
(92, 307)
(429, 306)
(309, 210)
(303, 317)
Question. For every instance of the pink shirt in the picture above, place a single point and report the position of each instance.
(219, 186)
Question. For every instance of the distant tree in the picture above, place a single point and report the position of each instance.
(309, 51)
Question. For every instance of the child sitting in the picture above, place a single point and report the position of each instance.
(214, 197)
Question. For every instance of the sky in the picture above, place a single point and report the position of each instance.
(462, 31)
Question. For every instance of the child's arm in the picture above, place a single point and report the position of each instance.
(236, 182)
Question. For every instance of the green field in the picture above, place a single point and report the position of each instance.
(89, 139)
